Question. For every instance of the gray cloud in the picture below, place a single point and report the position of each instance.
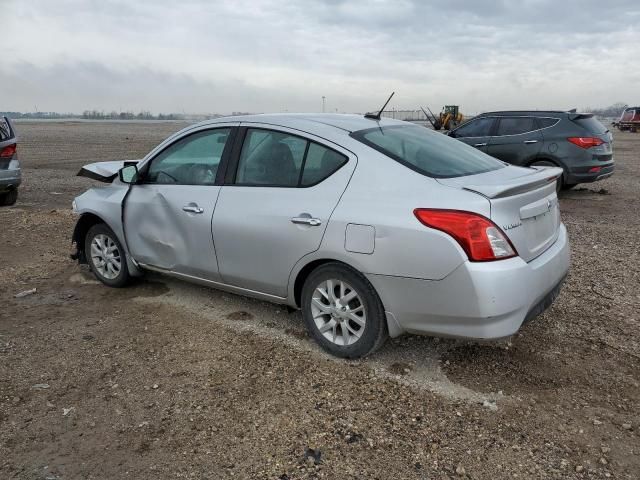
(202, 56)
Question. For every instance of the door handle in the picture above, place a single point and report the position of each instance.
(192, 208)
(314, 222)
(529, 142)
(480, 145)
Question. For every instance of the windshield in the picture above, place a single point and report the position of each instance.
(427, 152)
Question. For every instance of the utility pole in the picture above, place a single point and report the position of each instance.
(323, 100)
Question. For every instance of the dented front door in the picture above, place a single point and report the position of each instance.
(167, 217)
(170, 228)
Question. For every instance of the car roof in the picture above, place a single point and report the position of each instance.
(310, 121)
(533, 113)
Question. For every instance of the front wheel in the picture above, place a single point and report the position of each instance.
(105, 256)
(343, 312)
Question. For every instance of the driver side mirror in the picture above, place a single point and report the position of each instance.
(128, 174)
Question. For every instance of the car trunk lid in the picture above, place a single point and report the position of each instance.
(523, 202)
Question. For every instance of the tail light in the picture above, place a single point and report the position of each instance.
(586, 142)
(8, 151)
(479, 237)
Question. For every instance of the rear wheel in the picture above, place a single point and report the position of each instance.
(343, 312)
(105, 256)
(547, 163)
(9, 198)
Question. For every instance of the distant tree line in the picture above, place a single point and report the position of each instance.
(96, 115)
(142, 115)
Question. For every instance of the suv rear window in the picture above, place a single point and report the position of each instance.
(591, 125)
(5, 130)
(427, 152)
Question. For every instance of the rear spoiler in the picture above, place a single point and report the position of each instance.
(541, 177)
(578, 116)
(104, 171)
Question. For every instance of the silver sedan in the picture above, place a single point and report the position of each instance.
(372, 227)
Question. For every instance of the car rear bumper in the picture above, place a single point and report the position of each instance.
(583, 175)
(10, 179)
(487, 300)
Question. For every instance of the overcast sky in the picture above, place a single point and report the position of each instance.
(203, 56)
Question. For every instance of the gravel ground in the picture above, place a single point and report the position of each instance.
(170, 380)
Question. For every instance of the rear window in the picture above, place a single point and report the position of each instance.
(425, 151)
(591, 125)
(5, 130)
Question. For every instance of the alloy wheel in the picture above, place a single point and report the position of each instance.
(105, 256)
(338, 312)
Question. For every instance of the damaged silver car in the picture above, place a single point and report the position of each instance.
(372, 227)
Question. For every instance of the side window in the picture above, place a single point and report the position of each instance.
(516, 125)
(480, 127)
(270, 158)
(546, 122)
(193, 160)
(320, 163)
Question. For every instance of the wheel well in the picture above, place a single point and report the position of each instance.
(85, 222)
(550, 160)
(305, 272)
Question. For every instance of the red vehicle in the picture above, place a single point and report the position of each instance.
(629, 120)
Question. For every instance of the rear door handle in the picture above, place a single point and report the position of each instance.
(193, 208)
(528, 142)
(480, 145)
(314, 222)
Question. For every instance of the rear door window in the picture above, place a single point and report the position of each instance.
(515, 126)
(320, 163)
(480, 127)
(279, 159)
(270, 158)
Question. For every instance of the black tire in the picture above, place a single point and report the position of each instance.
(122, 278)
(548, 163)
(568, 186)
(373, 333)
(9, 198)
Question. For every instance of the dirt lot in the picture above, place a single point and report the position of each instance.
(169, 380)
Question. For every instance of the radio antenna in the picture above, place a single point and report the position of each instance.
(377, 116)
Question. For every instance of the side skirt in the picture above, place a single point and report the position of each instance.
(217, 285)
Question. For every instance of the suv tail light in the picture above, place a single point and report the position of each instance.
(8, 151)
(586, 142)
(479, 237)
